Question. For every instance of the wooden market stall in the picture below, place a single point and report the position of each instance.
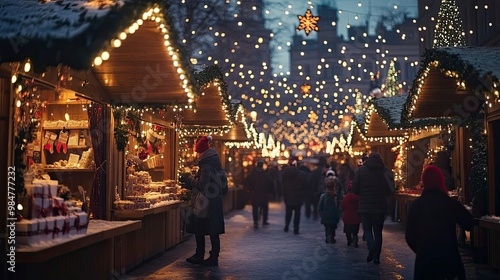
(447, 103)
(238, 141)
(116, 78)
(214, 115)
(381, 131)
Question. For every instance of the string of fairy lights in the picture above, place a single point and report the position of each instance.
(321, 118)
(268, 96)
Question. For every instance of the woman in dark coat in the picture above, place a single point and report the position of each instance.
(294, 191)
(213, 225)
(431, 229)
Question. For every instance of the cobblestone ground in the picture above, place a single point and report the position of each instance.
(271, 253)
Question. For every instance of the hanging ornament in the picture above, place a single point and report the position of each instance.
(178, 120)
(306, 89)
(308, 22)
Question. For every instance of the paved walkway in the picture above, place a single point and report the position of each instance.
(270, 253)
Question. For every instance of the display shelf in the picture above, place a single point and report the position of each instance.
(77, 147)
(68, 170)
(67, 127)
(124, 214)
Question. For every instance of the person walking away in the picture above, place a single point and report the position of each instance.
(274, 172)
(328, 208)
(312, 197)
(261, 186)
(373, 183)
(204, 181)
(430, 229)
(350, 216)
(346, 175)
(294, 190)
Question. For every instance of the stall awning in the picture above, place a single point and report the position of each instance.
(142, 71)
(453, 83)
(210, 110)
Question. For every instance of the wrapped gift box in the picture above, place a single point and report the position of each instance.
(35, 189)
(59, 227)
(52, 187)
(46, 228)
(28, 232)
(71, 221)
(40, 207)
(81, 222)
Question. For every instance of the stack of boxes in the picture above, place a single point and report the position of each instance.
(48, 217)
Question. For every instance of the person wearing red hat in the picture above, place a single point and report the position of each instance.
(431, 229)
(209, 166)
(350, 216)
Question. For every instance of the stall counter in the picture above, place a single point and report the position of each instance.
(82, 256)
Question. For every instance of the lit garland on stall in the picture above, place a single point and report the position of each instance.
(479, 164)
(211, 76)
(27, 115)
(250, 131)
(180, 62)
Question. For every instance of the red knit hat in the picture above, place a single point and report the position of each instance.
(203, 144)
(432, 179)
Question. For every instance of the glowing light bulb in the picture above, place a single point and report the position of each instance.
(27, 66)
(66, 117)
(13, 79)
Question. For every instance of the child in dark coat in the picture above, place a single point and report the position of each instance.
(350, 216)
(328, 208)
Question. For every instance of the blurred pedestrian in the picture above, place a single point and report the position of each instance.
(373, 183)
(213, 225)
(350, 216)
(329, 208)
(315, 188)
(431, 229)
(261, 186)
(294, 190)
(346, 175)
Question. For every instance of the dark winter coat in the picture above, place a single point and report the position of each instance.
(373, 183)
(214, 224)
(294, 186)
(350, 207)
(329, 208)
(260, 184)
(314, 181)
(431, 234)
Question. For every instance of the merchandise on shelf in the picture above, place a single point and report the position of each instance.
(48, 216)
(142, 192)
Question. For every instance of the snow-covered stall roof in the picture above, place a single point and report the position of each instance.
(447, 77)
(389, 109)
(71, 32)
(63, 19)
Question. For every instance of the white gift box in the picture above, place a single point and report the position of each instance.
(59, 227)
(74, 209)
(71, 219)
(35, 189)
(52, 187)
(40, 207)
(81, 221)
(28, 232)
(57, 202)
(47, 228)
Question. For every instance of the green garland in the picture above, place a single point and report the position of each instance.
(478, 173)
(127, 123)
(121, 129)
(210, 74)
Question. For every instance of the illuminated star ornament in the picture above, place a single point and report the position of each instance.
(306, 89)
(308, 22)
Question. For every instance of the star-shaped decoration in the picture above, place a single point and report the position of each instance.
(306, 89)
(308, 22)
